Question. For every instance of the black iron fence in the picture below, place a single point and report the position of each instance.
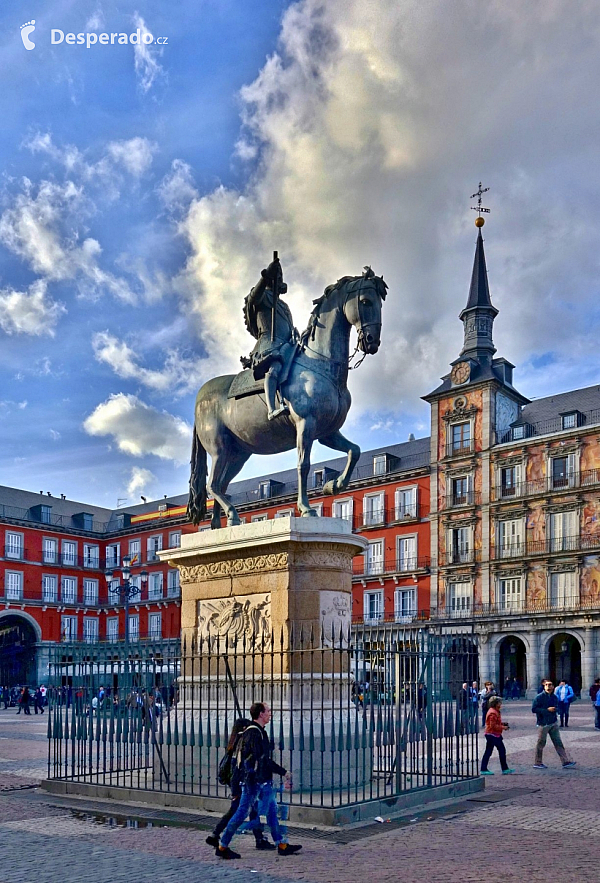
(354, 719)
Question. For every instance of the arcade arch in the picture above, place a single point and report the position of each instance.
(19, 635)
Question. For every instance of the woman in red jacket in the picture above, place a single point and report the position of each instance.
(493, 737)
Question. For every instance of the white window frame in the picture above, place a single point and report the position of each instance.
(155, 586)
(13, 585)
(261, 517)
(462, 449)
(401, 508)
(318, 507)
(510, 593)
(380, 464)
(285, 513)
(113, 555)
(49, 588)
(460, 598)
(112, 629)
(134, 626)
(173, 586)
(90, 592)
(563, 530)
(405, 604)
(91, 556)
(155, 625)
(175, 539)
(374, 509)
(464, 546)
(373, 605)
(345, 504)
(569, 421)
(374, 563)
(69, 553)
(90, 629)
(136, 581)
(468, 479)
(406, 559)
(154, 544)
(510, 538)
(47, 544)
(505, 493)
(14, 545)
(70, 596)
(135, 551)
(572, 469)
(69, 627)
(563, 589)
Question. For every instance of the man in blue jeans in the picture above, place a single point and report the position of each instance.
(257, 767)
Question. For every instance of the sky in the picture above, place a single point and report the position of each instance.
(144, 186)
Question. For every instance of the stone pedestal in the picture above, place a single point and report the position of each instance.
(266, 611)
(283, 576)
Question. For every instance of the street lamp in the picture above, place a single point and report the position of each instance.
(126, 590)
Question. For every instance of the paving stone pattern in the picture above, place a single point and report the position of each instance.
(544, 828)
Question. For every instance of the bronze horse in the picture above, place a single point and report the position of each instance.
(232, 429)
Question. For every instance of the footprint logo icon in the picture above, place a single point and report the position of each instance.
(27, 29)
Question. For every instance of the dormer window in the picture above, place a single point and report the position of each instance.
(571, 419)
(379, 464)
(45, 513)
(318, 478)
(518, 432)
(264, 490)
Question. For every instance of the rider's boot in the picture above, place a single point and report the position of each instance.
(271, 378)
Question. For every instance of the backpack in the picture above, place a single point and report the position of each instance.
(230, 761)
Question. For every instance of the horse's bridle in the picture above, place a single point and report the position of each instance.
(363, 325)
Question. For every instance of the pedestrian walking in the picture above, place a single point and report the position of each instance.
(564, 696)
(544, 707)
(594, 691)
(38, 701)
(256, 767)
(507, 688)
(494, 728)
(254, 822)
(485, 699)
(515, 690)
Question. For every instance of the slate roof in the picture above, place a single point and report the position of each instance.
(411, 455)
(586, 400)
(479, 292)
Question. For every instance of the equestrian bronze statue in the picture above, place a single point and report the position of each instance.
(239, 415)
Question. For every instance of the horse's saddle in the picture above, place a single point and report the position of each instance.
(245, 384)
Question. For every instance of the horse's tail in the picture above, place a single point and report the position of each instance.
(196, 509)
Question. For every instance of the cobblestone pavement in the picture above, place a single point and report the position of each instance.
(545, 828)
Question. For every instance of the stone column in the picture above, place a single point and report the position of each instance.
(588, 661)
(534, 672)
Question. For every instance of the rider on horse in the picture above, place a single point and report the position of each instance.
(274, 331)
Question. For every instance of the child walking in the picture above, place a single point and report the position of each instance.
(493, 737)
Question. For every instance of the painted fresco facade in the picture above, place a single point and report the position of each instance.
(515, 520)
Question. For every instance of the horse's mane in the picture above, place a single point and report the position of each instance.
(308, 332)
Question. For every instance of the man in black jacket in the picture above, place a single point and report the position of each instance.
(544, 707)
(257, 767)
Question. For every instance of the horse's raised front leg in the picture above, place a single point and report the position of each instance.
(304, 441)
(338, 442)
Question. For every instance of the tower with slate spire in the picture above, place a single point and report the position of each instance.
(479, 314)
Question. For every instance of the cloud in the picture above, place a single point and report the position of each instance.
(54, 434)
(178, 375)
(38, 227)
(31, 312)
(139, 429)
(135, 155)
(147, 68)
(366, 133)
(177, 189)
(140, 478)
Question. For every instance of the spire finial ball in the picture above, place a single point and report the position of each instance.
(479, 222)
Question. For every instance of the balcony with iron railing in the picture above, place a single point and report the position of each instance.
(548, 546)
(546, 427)
(456, 500)
(460, 556)
(16, 553)
(587, 478)
(516, 607)
(460, 448)
(398, 617)
(364, 568)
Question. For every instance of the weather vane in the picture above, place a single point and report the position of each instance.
(479, 221)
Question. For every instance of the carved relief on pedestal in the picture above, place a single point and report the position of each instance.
(248, 618)
(335, 617)
(325, 556)
(233, 567)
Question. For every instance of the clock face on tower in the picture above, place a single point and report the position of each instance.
(460, 373)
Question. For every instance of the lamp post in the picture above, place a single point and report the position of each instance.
(126, 590)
